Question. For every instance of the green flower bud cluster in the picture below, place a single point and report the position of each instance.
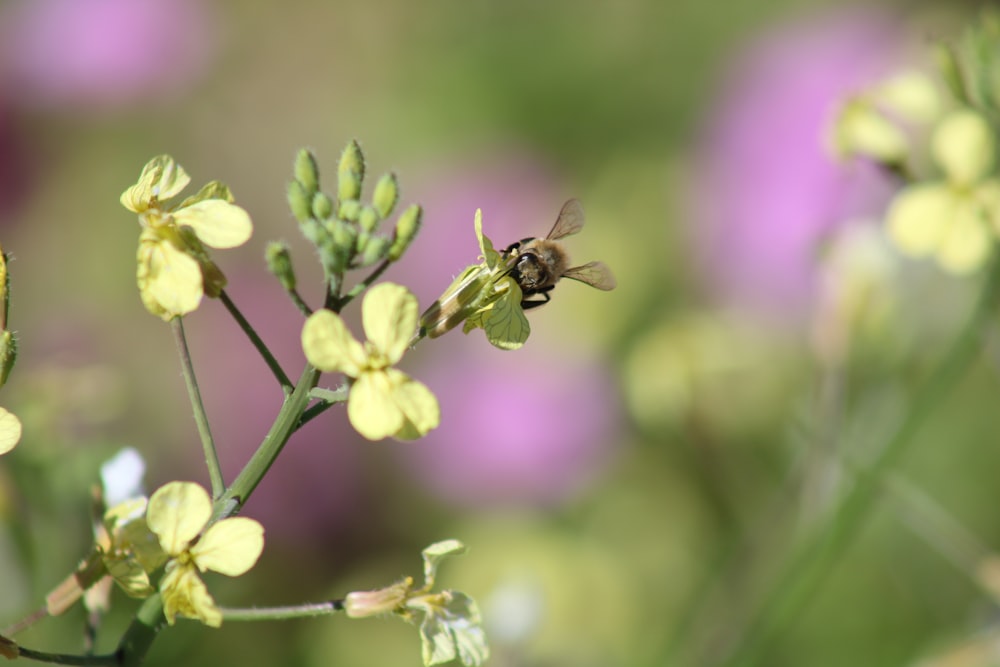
(345, 229)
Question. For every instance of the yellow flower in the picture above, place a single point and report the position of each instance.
(174, 268)
(383, 401)
(178, 513)
(955, 220)
(10, 431)
(450, 627)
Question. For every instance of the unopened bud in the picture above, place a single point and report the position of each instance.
(375, 250)
(279, 262)
(350, 172)
(8, 355)
(386, 195)
(344, 236)
(349, 210)
(306, 171)
(406, 230)
(368, 219)
(299, 201)
(322, 206)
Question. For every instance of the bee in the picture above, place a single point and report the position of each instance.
(534, 264)
(538, 264)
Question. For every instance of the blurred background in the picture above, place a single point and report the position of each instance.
(631, 481)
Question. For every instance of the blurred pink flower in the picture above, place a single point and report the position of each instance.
(530, 427)
(766, 192)
(100, 53)
(534, 427)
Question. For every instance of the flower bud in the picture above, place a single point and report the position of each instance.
(8, 355)
(350, 209)
(406, 230)
(368, 219)
(279, 262)
(350, 172)
(343, 234)
(314, 231)
(362, 604)
(386, 195)
(306, 171)
(375, 250)
(299, 201)
(322, 206)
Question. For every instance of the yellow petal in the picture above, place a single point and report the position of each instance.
(918, 217)
(216, 222)
(389, 314)
(911, 95)
(161, 179)
(490, 256)
(230, 547)
(184, 594)
(505, 324)
(862, 130)
(967, 243)
(963, 144)
(10, 431)
(176, 514)
(417, 403)
(329, 346)
(371, 406)
(170, 281)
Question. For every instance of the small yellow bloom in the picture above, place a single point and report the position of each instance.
(955, 220)
(178, 513)
(450, 623)
(174, 268)
(383, 401)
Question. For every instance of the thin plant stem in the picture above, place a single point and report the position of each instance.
(200, 417)
(821, 549)
(251, 333)
(285, 424)
(299, 302)
(362, 286)
(66, 659)
(283, 613)
(327, 399)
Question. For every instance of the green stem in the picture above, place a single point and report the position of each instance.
(820, 551)
(362, 286)
(65, 659)
(300, 303)
(282, 613)
(328, 399)
(200, 418)
(286, 423)
(251, 333)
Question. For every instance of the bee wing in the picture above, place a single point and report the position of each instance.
(595, 274)
(570, 220)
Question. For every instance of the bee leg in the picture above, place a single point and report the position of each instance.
(544, 293)
(514, 247)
